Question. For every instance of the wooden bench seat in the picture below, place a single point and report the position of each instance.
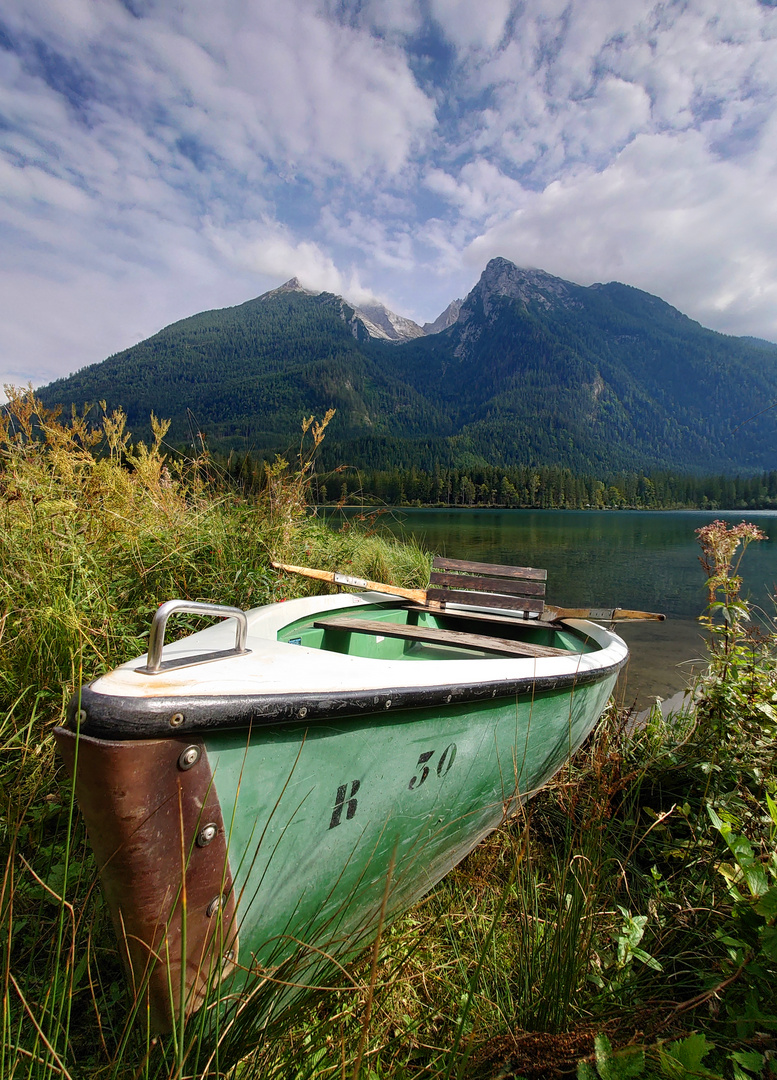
(433, 636)
(489, 585)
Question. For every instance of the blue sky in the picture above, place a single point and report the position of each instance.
(161, 157)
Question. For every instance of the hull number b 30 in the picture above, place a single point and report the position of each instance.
(345, 800)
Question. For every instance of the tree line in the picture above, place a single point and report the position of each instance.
(522, 487)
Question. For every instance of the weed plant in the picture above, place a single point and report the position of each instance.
(623, 924)
(95, 532)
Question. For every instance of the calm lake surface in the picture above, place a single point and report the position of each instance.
(610, 558)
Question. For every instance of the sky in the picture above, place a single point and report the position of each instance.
(163, 157)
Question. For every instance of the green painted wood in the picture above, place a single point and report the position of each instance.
(374, 798)
(317, 815)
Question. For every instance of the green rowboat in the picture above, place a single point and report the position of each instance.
(254, 795)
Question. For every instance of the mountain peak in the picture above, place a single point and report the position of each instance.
(502, 280)
(376, 319)
(293, 285)
(380, 322)
(535, 371)
(446, 319)
(527, 284)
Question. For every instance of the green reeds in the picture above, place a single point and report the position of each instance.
(610, 903)
(94, 533)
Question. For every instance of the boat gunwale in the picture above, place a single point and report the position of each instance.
(124, 717)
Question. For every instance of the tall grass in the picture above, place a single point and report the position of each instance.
(626, 910)
(95, 532)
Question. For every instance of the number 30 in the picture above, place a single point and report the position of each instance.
(447, 758)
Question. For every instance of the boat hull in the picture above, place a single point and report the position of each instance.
(326, 818)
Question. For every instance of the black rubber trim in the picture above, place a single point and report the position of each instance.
(112, 717)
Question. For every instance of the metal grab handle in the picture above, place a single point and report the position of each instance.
(156, 637)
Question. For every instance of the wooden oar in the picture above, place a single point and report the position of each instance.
(550, 614)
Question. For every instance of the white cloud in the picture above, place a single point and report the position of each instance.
(269, 250)
(246, 81)
(647, 67)
(154, 151)
(196, 156)
(666, 217)
(480, 190)
(381, 244)
(614, 113)
(468, 25)
(396, 18)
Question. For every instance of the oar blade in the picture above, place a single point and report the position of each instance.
(551, 614)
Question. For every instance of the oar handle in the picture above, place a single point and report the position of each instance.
(335, 578)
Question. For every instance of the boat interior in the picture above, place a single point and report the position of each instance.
(408, 632)
(495, 612)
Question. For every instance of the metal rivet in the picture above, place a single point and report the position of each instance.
(303, 711)
(388, 703)
(207, 834)
(82, 716)
(215, 905)
(188, 757)
(176, 720)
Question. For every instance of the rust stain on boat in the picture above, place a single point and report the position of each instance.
(156, 827)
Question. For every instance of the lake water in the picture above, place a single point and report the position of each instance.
(610, 558)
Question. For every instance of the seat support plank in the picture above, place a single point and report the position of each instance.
(495, 569)
(510, 586)
(434, 636)
(484, 600)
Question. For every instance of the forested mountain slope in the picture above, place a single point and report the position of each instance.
(245, 375)
(535, 370)
(538, 369)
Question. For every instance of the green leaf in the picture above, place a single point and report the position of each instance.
(646, 958)
(769, 942)
(603, 1048)
(750, 1060)
(767, 905)
(620, 1065)
(734, 942)
(742, 850)
(690, 1052)
(756, 879)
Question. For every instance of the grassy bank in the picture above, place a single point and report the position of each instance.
(622, 926)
